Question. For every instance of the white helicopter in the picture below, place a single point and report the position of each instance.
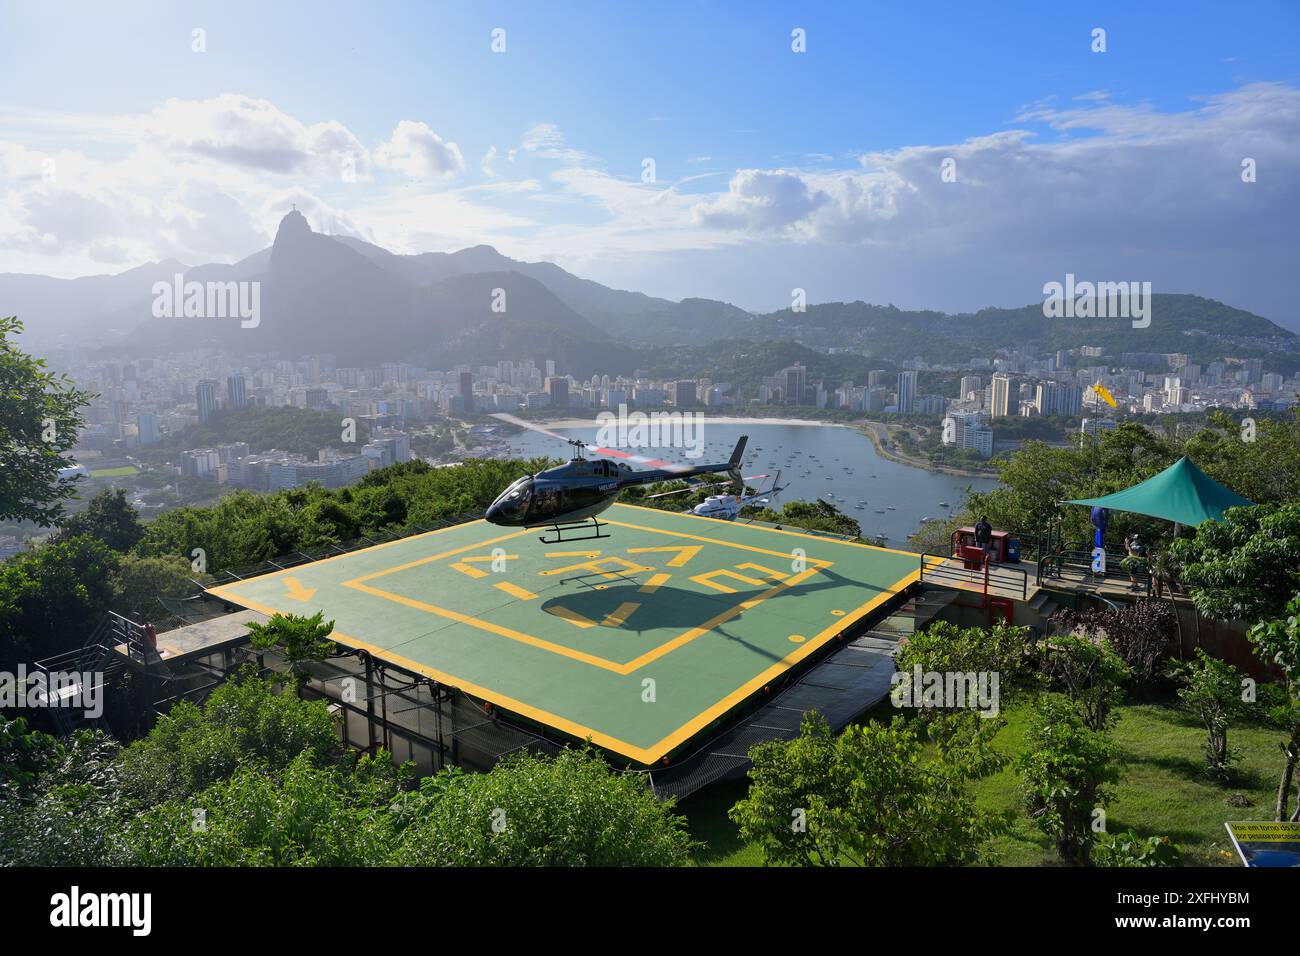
(727, 507)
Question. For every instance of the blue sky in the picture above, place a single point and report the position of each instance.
(773, 169)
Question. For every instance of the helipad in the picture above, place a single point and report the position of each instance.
(641, 641)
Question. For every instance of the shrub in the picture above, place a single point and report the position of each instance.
(243, 721)
(870, 796)
(1213, 692)
(1131, 850)
(1065, 769)
(570, 810)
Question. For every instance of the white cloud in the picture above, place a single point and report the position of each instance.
(761, 201)
(255, 134)
(1081, 177)
(419, 152)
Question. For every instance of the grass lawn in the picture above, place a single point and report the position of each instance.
(1162, 791)
(121, 472)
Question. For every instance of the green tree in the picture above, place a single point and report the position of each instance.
(109, 518)
(52, 597)
(301, 815)
(870, 796)
(569, 810)
(1213, 690)
(140, 582)
(1278, 641)
(1246, 566)
(302, 639)
(68, 811)
(244, 721)
(1065, 769)
(40, 418)
(1089, 672)
(809, 515)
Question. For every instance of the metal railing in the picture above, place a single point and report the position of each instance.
(991, 578)
(1080, 563)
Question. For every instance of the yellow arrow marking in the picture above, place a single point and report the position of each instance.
(684, 553)
(296, 591)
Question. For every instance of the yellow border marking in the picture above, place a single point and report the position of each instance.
(515, 590)
(573, 617)
(643, 755)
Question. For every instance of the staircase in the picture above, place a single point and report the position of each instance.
(1044, 604)
(96, 666)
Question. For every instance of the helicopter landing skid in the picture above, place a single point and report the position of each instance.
(570, 532)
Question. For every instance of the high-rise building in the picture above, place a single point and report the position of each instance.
(1003, 401)
(236, 392)
(1095, 426)
(906, 391)
(684, 394)
(968, 430)
(205, 397)
(557, 386)
(147, 426)
(969, 383)
(467, 391)
(1056, 398)
(795, 383)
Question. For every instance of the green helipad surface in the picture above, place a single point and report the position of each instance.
(639, 641)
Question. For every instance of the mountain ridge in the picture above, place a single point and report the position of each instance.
(340, 294)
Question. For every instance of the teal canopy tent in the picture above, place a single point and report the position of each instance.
(1182, 493)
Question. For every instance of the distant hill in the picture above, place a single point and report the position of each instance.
(1203, 328)
(365, 304)
(67, 309)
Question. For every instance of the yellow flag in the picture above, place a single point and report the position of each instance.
(1104, 394)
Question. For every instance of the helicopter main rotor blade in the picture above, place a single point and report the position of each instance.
(533, 426)
(665, 494)
(594, 449)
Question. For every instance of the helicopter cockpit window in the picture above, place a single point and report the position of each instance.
(514, 500)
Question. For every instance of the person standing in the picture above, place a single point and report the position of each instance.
(984, 535)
